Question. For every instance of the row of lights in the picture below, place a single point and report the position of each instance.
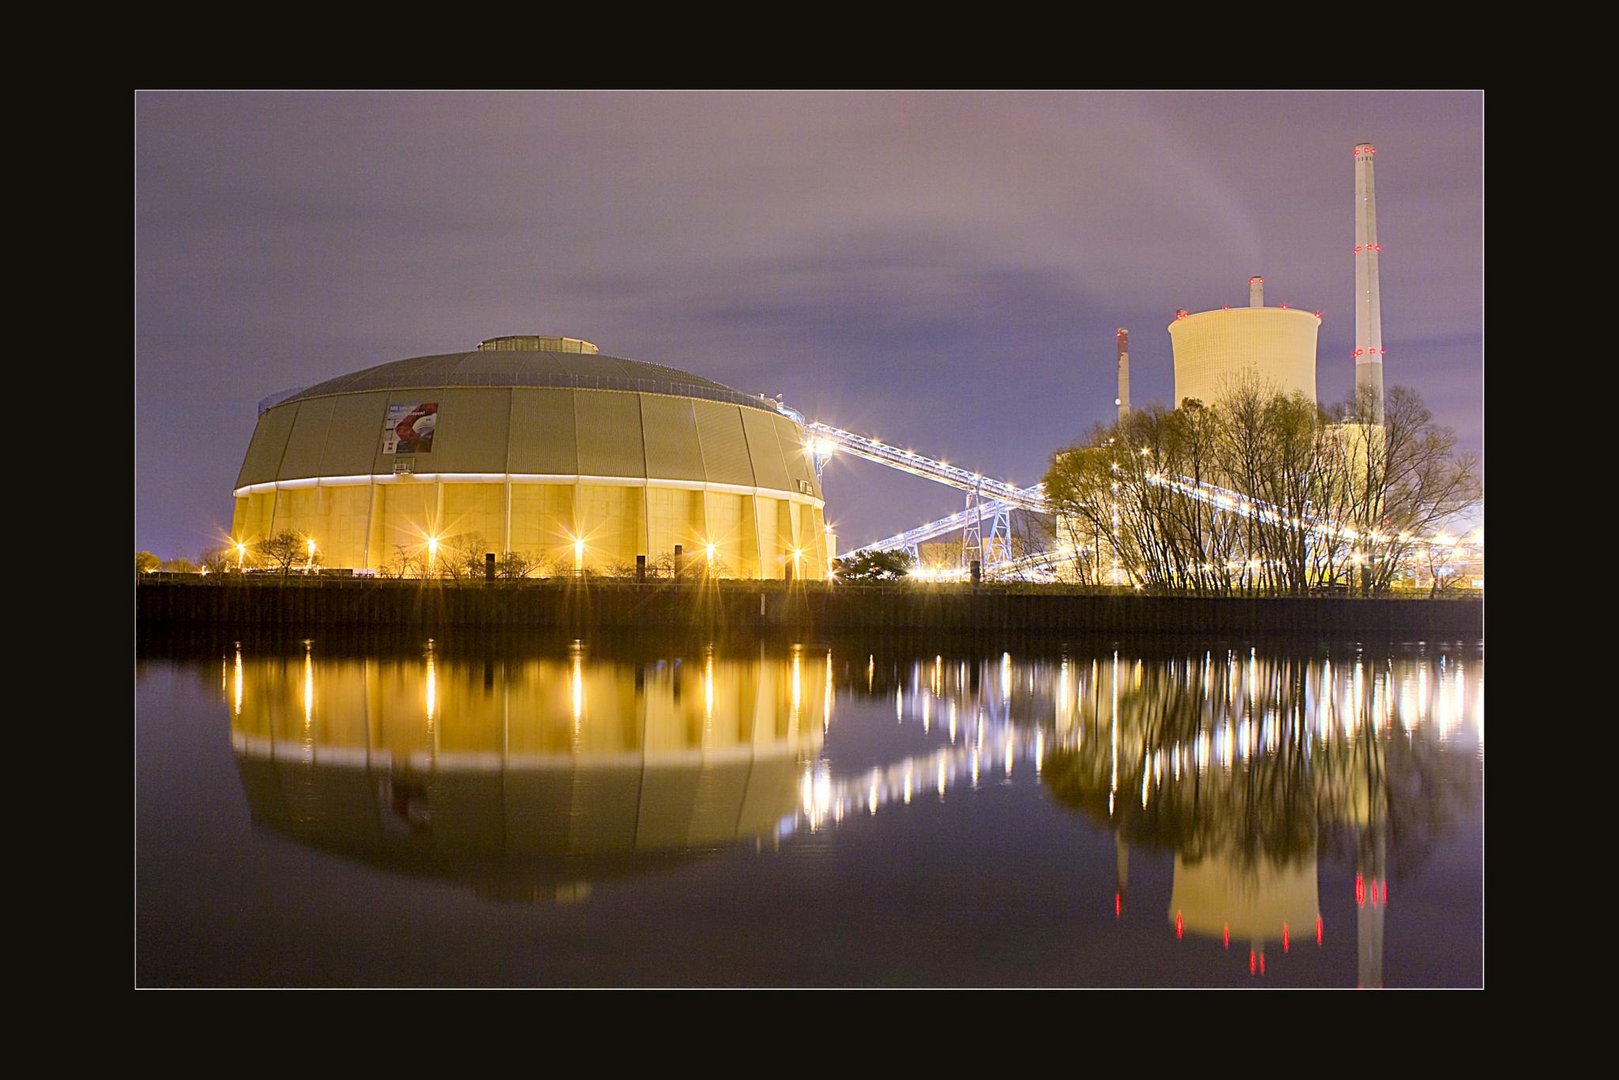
(432, 542)
(240, 548)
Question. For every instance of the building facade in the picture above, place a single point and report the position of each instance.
(539, 446)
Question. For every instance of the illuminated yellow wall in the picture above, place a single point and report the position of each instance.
(1217, 351)
(534, 470)
(379, 523)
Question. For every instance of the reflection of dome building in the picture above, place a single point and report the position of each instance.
(535, 445)
(1217, 351)
(530, 779)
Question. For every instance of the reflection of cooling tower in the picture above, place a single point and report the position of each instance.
(1218, 351)
(1253, 903)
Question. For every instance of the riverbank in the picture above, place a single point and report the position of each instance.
(750, 606)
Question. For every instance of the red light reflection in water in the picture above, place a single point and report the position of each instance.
(1180, 925)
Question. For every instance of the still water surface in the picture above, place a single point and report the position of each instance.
(815, 814)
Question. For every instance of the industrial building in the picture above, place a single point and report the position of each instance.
(1272, 348)
(541, 446)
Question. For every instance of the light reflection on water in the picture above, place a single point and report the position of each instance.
(1260, 803)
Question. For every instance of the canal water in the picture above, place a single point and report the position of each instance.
(467, 813)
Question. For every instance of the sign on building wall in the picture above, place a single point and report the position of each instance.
(409, 429)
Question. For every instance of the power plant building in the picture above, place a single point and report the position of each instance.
(1272, 348)
(536, 445)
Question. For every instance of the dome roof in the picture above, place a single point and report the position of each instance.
(529, 361)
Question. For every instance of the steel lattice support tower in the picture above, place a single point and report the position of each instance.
(972, 532)
(1369, 351)
(999, 549)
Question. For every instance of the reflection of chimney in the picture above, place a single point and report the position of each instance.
(1256, 291)
(1371, 898)
(1123, 400)
(1369, 350)
(1121, 871)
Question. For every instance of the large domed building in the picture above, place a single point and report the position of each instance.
(537, 445)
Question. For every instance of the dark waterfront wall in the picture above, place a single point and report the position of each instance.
(740, 607)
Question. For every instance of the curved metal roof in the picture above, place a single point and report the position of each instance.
(503, 368)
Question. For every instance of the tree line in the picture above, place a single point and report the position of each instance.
(1261, 492)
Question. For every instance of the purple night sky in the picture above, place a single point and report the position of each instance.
(941, 270)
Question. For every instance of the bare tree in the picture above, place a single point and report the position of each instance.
(283, 550)
(515, 565)
(409, 561)
(1131, 499)
(1260, 492)
(1398, 484)
(1275, 452)
(217, 560)
(461, 557)
(1083, 487)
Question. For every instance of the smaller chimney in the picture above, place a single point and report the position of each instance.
(1123, 400)
(1256, 291)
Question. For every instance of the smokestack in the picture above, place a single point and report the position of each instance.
(1369, 351)
(1256, 291)
(1123, 400)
